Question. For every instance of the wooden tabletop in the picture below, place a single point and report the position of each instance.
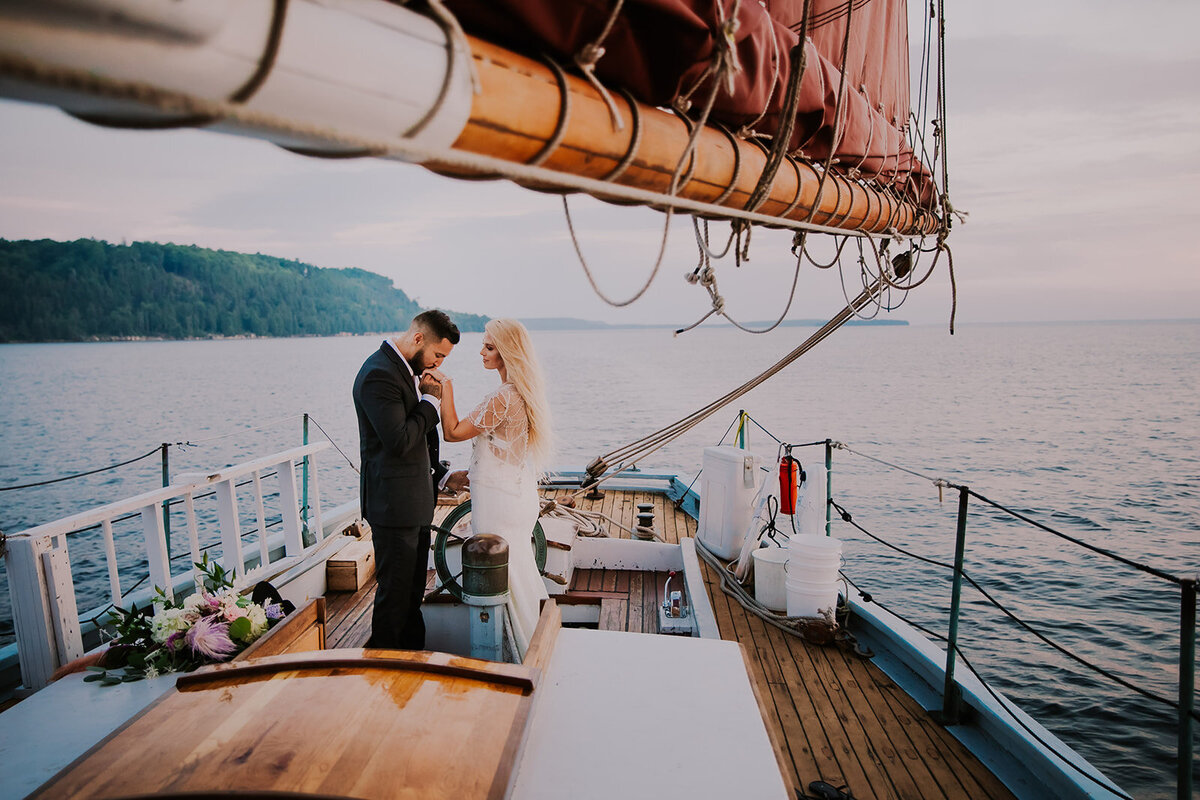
(363, 724)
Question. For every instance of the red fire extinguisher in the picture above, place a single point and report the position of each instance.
(789, 478)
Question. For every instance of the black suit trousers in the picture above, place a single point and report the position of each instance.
(401, 561)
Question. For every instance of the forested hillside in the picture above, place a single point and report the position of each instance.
(87, 289)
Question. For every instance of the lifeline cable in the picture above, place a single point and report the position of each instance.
(847, 518)
(80, 474)
(1000, 699)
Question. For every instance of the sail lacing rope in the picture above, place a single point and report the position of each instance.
(721, 70)
(787, 118)
(590, 54)
(838, 114)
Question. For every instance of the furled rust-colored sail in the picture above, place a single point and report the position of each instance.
(519, 116)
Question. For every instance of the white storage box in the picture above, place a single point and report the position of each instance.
(728, 484)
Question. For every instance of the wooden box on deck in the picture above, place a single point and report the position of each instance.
(351, 568)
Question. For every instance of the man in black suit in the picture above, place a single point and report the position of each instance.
(397, 407)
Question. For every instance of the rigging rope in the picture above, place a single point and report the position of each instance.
(724, 65)
(81, 474)
(637, 450)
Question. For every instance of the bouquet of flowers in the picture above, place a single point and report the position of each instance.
(210, 626)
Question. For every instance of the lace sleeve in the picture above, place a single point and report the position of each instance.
(501, 418)
(497, 411)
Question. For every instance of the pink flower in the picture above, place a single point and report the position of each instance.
(210, 639)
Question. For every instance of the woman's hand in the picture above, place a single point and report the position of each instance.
(453, 428)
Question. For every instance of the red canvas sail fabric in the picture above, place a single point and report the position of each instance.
(659, 49)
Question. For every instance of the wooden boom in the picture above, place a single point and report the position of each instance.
(518, 114)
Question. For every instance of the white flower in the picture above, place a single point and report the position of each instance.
(151, 673)
(199, 603)
(230, 610)
(258, 621)
(168, 621)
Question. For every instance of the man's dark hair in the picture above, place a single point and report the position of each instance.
(438, 324)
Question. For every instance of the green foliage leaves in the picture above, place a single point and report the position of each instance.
(72, 291)
(239, 628)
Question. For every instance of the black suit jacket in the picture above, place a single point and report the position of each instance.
(398, 442)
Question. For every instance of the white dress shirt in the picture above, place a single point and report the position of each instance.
(433, 401)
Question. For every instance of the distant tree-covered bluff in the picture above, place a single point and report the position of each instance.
(88, 289)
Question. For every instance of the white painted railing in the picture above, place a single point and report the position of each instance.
(39, 570)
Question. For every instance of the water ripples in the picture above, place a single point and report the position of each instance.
(1089, 429)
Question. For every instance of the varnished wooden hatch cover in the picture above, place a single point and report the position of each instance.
(337, 723)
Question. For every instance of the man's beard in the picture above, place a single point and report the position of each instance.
(418, 362)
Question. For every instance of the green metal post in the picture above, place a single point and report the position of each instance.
(1187, 685)
(828, 486)
(741, 434)
(166, 479)
(304, 482)
(951, 695)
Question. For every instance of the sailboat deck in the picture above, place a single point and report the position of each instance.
(834, 715)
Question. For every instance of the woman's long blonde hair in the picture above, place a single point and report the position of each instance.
(515, 346)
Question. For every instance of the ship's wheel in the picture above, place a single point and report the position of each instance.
(448, 540)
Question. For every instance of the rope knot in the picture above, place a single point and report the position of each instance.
(798, 239)
(588, 55)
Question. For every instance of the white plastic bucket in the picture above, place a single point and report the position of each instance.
(806, 599)
(813, 573)
(769, 577)
(815, 559)
(813, 548)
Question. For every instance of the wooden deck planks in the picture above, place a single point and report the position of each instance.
(839, 718)
(845, 722)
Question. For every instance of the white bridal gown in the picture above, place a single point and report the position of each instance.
(504, 501)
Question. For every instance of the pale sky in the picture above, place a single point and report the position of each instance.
(1074, 141)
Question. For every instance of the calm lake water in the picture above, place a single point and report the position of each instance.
(1092, 429)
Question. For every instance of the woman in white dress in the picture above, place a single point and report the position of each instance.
(511, 432)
